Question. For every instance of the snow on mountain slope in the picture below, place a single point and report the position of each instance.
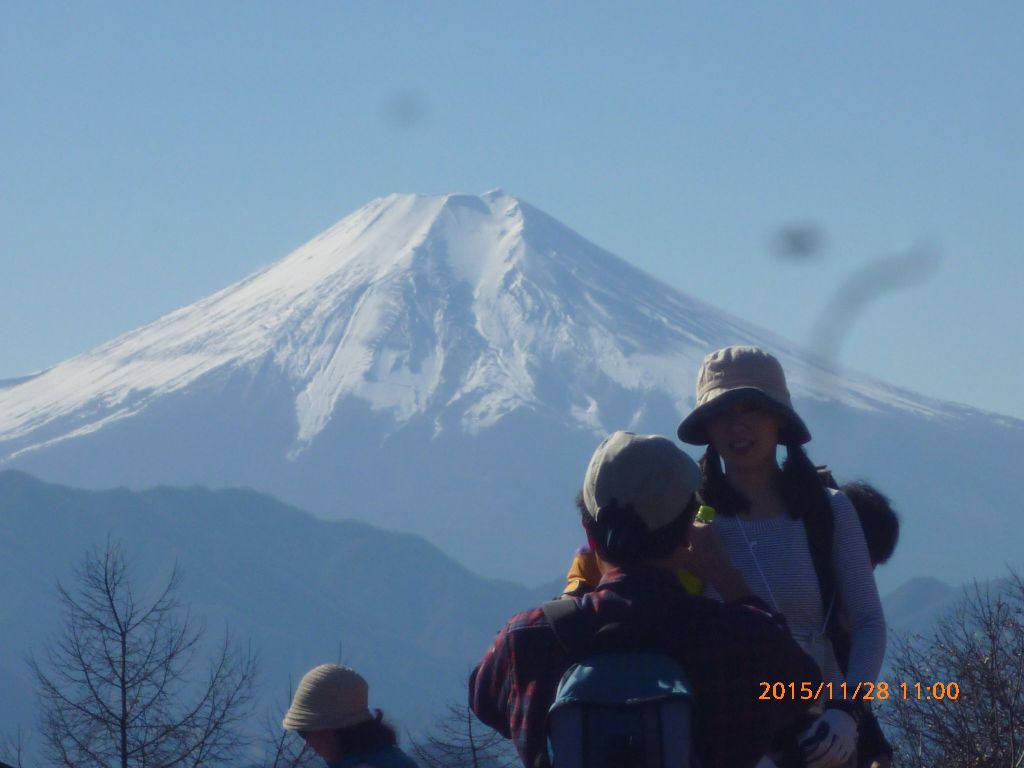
(415, 304)
(444, 365)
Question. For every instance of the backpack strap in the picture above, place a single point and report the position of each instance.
(579, 638)
(820, 530)
(568, 623)
(825, 475)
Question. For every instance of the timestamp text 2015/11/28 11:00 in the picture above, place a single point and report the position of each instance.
(807, 691)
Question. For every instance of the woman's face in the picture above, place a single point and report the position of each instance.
(745, 435)
(324, 743)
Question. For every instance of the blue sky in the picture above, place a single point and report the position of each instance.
(152, 153)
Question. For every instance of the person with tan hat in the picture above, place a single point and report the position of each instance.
(798, 544)
(331, 712)
(639, 505)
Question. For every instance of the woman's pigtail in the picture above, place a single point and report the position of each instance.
(715, 490)
(801, 487)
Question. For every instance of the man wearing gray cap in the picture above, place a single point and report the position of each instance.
(639, 504)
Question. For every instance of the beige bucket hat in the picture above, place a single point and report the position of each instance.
(328, 697)
(736, 374)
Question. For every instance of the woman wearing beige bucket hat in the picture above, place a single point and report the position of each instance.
(330, 710)
(775, 523)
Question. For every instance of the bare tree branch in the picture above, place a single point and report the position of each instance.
(285, 749)
(116, 687)
(459, 740)
(979, 647)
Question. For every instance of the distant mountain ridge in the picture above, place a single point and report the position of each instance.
(445, 365)
(301, 590)
(915, 605)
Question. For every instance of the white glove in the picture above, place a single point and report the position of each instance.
(765, 762)
(830, 740)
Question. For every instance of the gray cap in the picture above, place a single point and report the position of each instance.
(738, 374)
(646, 472)
(328, 697)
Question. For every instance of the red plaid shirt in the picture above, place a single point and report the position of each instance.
(728, 652)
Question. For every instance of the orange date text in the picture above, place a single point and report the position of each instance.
(807, 691)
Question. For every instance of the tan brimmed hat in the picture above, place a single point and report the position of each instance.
(736, 374)
(645, 472)
(329, 697)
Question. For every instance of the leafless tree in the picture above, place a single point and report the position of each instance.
(119, 686)
(12, 751)
(979, 649)
(286, 749)
(459, 740)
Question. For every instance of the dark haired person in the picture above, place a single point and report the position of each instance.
(330, 711)
(878, 520)
(639, 505)
(798, 545)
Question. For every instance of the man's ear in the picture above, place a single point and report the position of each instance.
(591, 540)
(592, 544)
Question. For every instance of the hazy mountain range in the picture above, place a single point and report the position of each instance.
(302, 591)
(445, 366)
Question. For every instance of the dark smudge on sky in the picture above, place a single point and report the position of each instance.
(405, 109)
(877, 278)
(798, 242)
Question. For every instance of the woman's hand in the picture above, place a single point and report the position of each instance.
(706, 559)
(830, 740)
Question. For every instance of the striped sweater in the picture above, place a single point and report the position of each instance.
(774, 559)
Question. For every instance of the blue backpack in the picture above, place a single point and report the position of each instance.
(616, 709)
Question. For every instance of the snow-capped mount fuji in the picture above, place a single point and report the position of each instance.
(439, 364)
(440, 305)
